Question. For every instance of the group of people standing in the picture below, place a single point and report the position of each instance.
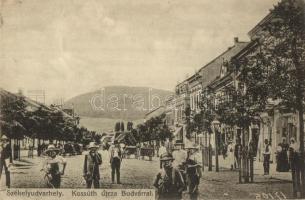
(54, 165)
(286, 155)
(178, 173)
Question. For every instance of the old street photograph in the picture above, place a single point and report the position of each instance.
(169, 99)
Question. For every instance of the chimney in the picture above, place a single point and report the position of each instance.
(235, 40)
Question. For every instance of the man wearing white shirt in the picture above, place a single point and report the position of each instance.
(115, 161)
(162, 151)
(266, 155)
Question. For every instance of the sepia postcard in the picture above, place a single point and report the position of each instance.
(152, 99)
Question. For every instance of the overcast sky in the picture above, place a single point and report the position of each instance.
(68, 47)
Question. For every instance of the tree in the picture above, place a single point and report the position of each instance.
(280, 62)
(122, 126)
(282, 55)
(129, 126)
(154, 129)
(187, 113)
(117, 127)
(13, 116)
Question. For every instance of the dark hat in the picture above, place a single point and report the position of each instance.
(166, 156)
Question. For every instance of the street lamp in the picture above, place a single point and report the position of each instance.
(216, 126)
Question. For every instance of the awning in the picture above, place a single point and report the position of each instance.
(177, 131)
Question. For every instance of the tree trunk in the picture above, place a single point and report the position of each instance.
(19, 149)
(33, 143)
(210, 153)
(301, 127)
(216, 151)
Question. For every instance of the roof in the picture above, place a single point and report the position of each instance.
(154, 110)
(257, 27)
(211, 71)
(30, 102)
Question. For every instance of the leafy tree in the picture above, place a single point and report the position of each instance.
(282, 54)
(187, 113)
(117, 127)
(280, 62)
(13, 116)
(207, 113)
(129, 126)
(154, 129)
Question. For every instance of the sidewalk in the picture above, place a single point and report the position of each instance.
(225, 185)
(258, 169)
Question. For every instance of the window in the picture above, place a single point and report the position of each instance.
(216, 103)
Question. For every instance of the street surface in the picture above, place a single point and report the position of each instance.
(140, 174)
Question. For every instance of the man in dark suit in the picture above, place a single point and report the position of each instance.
(5, 159)
(91, 166)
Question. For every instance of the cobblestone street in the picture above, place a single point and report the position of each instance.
(140, 174)
(134, 173)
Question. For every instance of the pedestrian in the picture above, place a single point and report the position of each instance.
(282, 164)
(162, 151)
(169, 181)
(230, 154)
(169, 145)
(294, 161)
(5, 159)
(51, 166)
(115, 161)
(266, 156)
(157, 147)
(91, 171)
(193, 171)
(237, 153)
(224, 150)
(138, 151)
(180, 157)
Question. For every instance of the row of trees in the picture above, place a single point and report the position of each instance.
(153, 129)
(18, 120)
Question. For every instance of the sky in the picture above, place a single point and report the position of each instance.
(69, 47)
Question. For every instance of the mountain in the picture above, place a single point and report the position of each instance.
(118, 102)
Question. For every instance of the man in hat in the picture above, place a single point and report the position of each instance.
(91, 166)
(115, 161)
(169, 181)
(193, 170)
(51, 166)
(5, 159)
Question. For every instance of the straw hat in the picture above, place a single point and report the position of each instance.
(166, 156)
(191, 146)
(92, 145)
(51, 148)
(4, 137)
